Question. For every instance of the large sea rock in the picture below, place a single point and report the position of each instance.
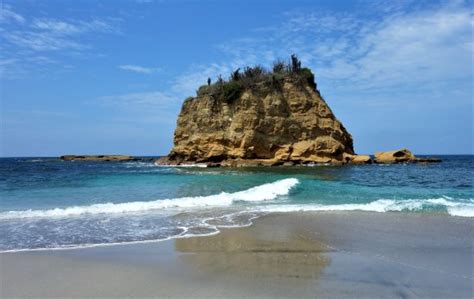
(291, 125)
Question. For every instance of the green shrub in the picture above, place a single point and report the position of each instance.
(307, 75)
(279, 66)
(204, 89)
(274, 82)
(259, 80)
(235, 75)
(231, 91)
(295, 64)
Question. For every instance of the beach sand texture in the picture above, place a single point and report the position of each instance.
(299, 254)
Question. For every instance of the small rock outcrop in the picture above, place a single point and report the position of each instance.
(97, 158)
(260, 117)
(401, 156)
(397, 156)
(361, 159)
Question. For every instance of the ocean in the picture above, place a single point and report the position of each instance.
(47, 203)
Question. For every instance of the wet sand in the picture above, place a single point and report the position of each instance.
(325, 254)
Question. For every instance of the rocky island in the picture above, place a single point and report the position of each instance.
(260, 117)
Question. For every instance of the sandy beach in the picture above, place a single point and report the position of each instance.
(327, 254)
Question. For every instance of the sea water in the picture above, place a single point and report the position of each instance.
(47, 203)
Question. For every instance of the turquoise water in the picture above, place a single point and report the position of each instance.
(48, 203)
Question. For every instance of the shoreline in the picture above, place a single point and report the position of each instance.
(285, 254)
(220, 228)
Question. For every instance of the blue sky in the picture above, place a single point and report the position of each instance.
(86, 77)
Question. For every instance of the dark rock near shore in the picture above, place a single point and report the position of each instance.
(427, 160)
(105, 158)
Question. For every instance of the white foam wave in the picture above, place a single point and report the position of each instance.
(194, 165)
(463, 209)
(259, 193)
(139, 164)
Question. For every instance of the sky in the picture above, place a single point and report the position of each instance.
(109, 77)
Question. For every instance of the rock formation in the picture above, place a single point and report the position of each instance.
(397, 156)
(401, 156)
(361, 159)
(97, 158)
(260, 118)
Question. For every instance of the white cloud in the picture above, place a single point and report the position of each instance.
(52, 35)
(5, 65)
(138, 69)
(18, 67)
(27, 42)
(7, 15)
(414, 48)
(140, 100)
(59, 27)
(400, 47)
(186, 84)
(42, 41)
(143, 107)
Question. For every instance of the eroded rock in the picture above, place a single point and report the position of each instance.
(401, 156)
(293, 124)
(361, 159)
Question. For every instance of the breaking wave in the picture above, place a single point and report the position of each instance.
(462, 209)
(259, 193)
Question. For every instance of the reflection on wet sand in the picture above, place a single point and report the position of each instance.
(262, 251)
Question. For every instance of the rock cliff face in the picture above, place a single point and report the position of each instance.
(287, 125)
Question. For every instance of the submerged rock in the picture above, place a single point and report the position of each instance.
(278, 118)
(97, 158)
(428, 160)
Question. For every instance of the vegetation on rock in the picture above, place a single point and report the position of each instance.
(258, 79)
